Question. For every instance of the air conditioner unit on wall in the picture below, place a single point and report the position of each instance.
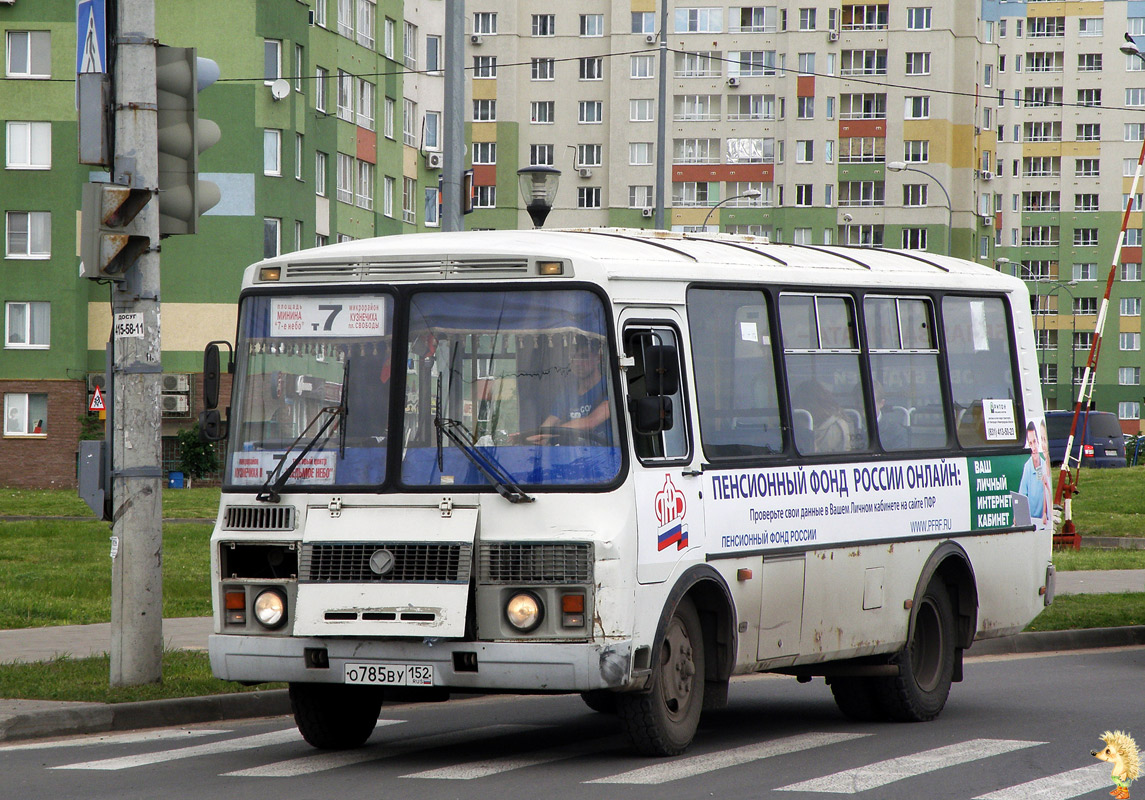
(832, 36)
(174, 405)
(176, 382)
(987, 219)
(94, 379)
(434, 159)
(584, 172)
(646, 213)
(475, 39)
(650, 38)
(733, 81)
(986, 175)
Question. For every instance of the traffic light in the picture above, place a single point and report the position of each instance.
(179, 77)
(107, 248)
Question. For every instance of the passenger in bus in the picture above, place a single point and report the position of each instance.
(833, 432)
(892, 428)
(587, 410)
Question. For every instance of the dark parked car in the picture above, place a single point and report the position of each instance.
(1098, 437)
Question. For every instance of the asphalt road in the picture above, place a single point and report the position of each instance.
(1018, 727)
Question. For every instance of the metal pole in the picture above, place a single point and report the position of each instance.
(137, 533)
(662, 117)
(453, 162)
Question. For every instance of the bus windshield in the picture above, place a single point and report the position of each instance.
(500, 388)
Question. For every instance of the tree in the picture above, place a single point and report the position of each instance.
(197, 457)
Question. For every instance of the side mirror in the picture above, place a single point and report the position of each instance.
(652, 414)
(211, 376)
(661, 370)
(211, 426)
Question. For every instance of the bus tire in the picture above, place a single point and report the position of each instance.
(601, 701)
(858, 698)
(331, 716)
(926, 664)
(663, 722)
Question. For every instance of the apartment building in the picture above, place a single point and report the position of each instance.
(1004, 132)
(327, 134)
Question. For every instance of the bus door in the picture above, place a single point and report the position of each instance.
(669, 516)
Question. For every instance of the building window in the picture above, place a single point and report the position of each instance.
(588, 197)
(916, 151)
(320, 75)
(643, 22)
(805, 108)
(388, 196)
(641, 110)
(298, 156)
(484, 152)
(432, 130)
(804, 195)
(346, 18)
(541, 69)
(1130, 271)
(484, 196)
(484, 110)
(588, 155)
(365, 104)
(591, 112)
(432, 207)
(29, 145)
(432, 54)
(29, 54)
(592, 24)
(485, 23)
(699, 20)
(541, 155)
(639, 153)
(345, 190)
(642, 66)
(409, 195)
(25, 414)
(1130, 342)
(592, 69)
(914, 195)
(1085, 237)
(29, 234)
(1129, 376)
(364, 194)
(918, 63)
(914, 238)
(639, 196)
(917, 107)
(271, 60)
(409, 122)
(389, 29)
(320, 173)
(272, 152)
(541, 112)
(389, 110)
(320, 13)
(918, 19)
(1129, 409)
(485, 66)
(409, 45)
(1090, 26)
(27, 325)
(544, 24)
(271, 237)
(345, 96)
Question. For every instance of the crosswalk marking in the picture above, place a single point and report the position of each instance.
(881, 773)
(118, 738)
(320, 762)
(1062, 786)
(664, 772)
(495, 766)
(212, 748)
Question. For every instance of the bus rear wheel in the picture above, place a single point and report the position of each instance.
(331, 716)
(858, 698)
(663, 722)
(926, 664)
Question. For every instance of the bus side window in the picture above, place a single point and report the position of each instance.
(673, 442)
(976, 332)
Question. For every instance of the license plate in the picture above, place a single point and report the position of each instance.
(390, 674)
(1111, 452)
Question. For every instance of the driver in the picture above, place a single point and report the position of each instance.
(588, 409)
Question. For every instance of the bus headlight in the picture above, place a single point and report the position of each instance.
(524, 611)
(270, 608)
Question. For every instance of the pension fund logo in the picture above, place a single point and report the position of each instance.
(671, 507)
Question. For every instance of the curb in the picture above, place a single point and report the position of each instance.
(83, 718)
(103, 717)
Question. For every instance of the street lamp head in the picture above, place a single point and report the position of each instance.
(847, 218)
(538, 190)
(752, 193)
(897, 166)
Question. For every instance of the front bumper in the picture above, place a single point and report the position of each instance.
(516, 666)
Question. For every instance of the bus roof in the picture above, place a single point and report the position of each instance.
(623, 254)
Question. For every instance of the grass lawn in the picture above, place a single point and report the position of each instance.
(177, 503)
(1109, 502)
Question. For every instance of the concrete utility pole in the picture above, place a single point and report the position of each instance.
(662, 119)
(137, 534)
(453, 163)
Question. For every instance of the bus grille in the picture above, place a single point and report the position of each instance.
(524, 562)
(258, 518)
(413, 562)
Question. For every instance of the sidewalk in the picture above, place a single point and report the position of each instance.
(24, 719)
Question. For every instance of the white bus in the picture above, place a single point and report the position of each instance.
(627, 464)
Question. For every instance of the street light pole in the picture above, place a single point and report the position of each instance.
(752, 193)
(902, 166)
(1060, 285)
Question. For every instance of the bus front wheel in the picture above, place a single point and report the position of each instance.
(663, 721)
(926, 664)
(331, 716)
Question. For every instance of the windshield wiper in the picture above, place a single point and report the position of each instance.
(270, 491)
(492, 469)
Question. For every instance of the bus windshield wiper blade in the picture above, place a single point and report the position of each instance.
(500, 477)
(277, 479)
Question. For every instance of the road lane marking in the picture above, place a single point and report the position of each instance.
(119, 738)
(495, 766)
(664, 772)
(1062, 786)
(320, 762)
(871, 776)
(212, 748)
